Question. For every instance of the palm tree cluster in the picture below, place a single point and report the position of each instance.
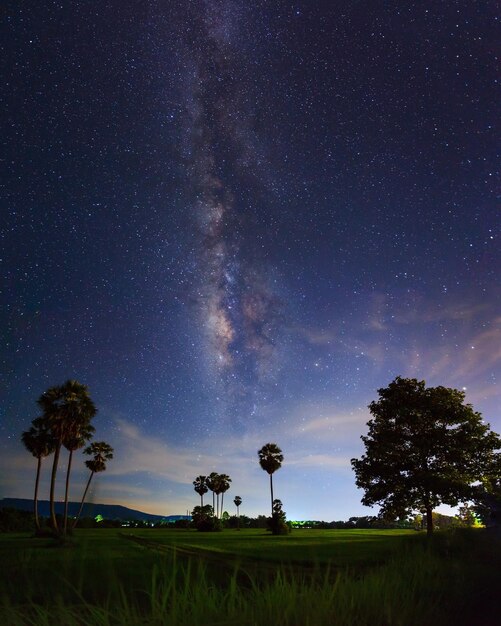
(270, 459)
(67, 411)
(218, 484)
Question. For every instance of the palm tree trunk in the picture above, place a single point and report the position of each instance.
(53, 486)
(222, 500)
(83, 500)
(35, 497)
(213, 503)
(271, 489)
(66, 493)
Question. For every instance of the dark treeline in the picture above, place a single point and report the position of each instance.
(17, 520)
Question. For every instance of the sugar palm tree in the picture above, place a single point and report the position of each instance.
(237, 502)
(101, 452)
(82, 433)
(39, 441)
(211, 482)
(224, 485)
(64, 407)
(270, 459)
(200, 486)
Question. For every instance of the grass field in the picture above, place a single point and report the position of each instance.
(179, 577)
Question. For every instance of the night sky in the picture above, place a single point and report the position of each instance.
(235, 221)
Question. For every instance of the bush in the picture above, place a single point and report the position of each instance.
(277, 523)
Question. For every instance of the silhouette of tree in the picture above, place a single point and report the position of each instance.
(488, 495)
(277, 522)
(424, 447)
(223, 485)
(39, 441)
(65, 408)
(211, 482)
(204, 520)
(270, 460)
(237, 502)
(200, 486)
(82, 433)
(101, 453)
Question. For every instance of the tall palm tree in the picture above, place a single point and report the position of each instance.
(211, 482)
(270, 459)
(223, 486)
(82, 433)
(64, 407)
(39, 441)
(237, 502)
(101, 452)
(200, 486)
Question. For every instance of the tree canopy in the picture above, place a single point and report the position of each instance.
(424, 447)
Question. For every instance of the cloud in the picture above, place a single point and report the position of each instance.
(318, 461)
(331, 424)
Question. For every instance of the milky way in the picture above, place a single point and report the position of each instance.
(238, 305)
(235, 221)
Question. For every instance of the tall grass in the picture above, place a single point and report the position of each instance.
(452, 581)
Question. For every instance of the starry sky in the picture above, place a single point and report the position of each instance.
(235, 221)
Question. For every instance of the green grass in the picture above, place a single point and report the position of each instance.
(178, 578)
(334, 547)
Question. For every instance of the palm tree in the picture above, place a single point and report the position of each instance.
(237, 502)
(64, 408)
(223, 486)
(270, 459)
(101, 452)
(200, 486)
(82, 433)
(39, 441)
(211, 482)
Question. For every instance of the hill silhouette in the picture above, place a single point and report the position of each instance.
(91, 509)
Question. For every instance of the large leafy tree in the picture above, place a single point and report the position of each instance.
(200, 486)
(65, 409)
(424, 447)
(101, 453)
(270, 460)
(39, 441)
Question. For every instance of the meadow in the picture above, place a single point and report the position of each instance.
(181, 577)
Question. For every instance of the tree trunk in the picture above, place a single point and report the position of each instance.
(429, 520)
(271, 489)
(222, 500)
(53, 486)
(35, 497)
(213, 503)
(201, 501)
(83, 500)
(66, 493)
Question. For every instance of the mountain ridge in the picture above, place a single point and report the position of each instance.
(90, 509)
